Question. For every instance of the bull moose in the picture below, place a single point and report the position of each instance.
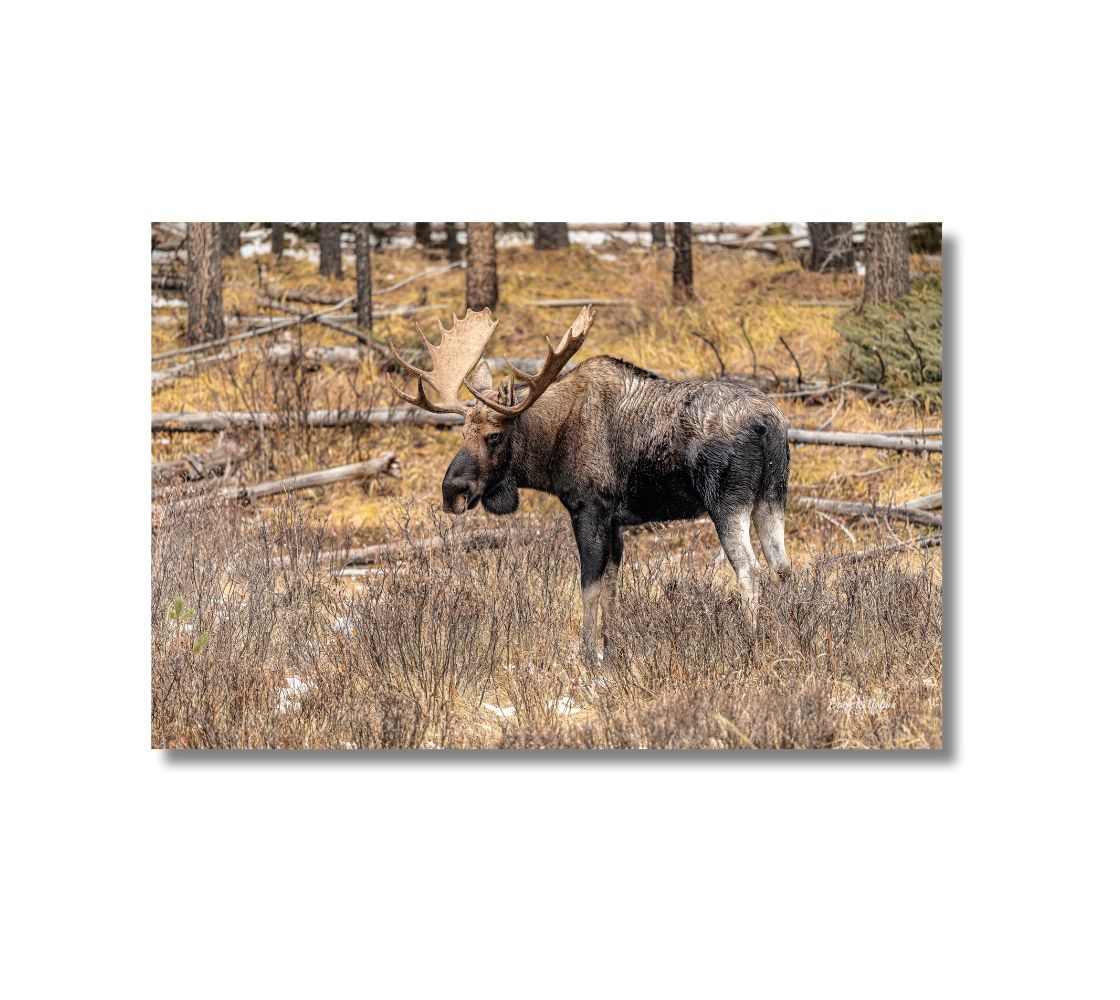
(618, 445)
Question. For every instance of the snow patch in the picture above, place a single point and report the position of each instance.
(289, 695)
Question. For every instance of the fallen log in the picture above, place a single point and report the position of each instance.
(931, 502)
(385, 415)
(488, 538)
(221, 420)
(387, 465)
(322, 298)
(577, 303)
(169, 282)
(185, 490)
(270, 326)
(846, 440)
(853, 508)
(930, 541)
(164, 375)
(199, 465)
(314, 356)
(913, 432)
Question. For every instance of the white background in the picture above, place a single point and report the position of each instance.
(988, 868)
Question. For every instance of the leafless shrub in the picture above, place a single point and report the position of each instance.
(256, 644)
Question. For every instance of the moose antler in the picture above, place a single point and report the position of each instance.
(558, 356)
(453, 359)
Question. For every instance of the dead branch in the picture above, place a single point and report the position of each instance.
(835, 413)
(386, 465)
(931, 502)
(488, 538)
(831, 520)
(846, 440)
(564, 303)
(200, 465)
(164, 375)
(715, 350)
(852, 508)
(794, 356)
(221, 420)
(930, 541)
(209, 422)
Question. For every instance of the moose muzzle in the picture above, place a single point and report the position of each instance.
(461, 489)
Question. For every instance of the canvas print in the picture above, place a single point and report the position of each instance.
(546, 486)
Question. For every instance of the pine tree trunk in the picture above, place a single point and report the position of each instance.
(423, 234)
(657, 235)
(330, 249)
(278, 238)
(231, 238)
(204, 283)
(682, 262)
(365, 286)
(482, 266)
(888, 262)
(451, 243)
(831, 247)
(550, 235)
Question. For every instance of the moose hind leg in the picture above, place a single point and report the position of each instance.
(770, 525)
(734, 530)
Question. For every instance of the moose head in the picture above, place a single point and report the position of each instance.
(482, 469)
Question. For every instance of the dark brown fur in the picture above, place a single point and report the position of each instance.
(620, 446)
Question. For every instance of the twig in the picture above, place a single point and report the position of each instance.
(839, 406)
(746, 337)
(795, 361)
(831, 520)
(715, 351)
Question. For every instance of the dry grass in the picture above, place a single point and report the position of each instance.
(433, 637)
(477, 649)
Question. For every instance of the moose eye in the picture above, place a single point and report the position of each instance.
(493, 440)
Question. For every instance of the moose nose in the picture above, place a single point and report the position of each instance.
(454, 503)
(458, 483)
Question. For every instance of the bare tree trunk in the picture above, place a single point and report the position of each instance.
(657, 235)
(364, 307)
(550, 235)
(204, 283)
(454, 251)
(423, 234)
(682, 262)
(278, 238)
(482, 266)
(888, 262)
(831, 246)
(330, 249)
(231, 238)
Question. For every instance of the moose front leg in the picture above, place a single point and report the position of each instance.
(608, 590)
(593, 537)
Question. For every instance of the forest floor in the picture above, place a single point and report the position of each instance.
(434, 653)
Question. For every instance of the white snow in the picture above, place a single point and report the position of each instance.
(289, 695)
(499, 711)
(564, 706)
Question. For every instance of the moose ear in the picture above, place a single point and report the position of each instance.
(481, 380)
